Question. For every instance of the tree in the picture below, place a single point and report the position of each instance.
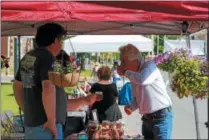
(82, 57)
(159, 41)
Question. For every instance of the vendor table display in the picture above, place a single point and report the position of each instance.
(105, 130)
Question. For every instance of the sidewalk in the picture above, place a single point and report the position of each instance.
(6, 78)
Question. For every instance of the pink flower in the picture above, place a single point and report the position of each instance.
(74, 65)
(71, 58)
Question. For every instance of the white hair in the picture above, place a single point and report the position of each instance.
(131, 52)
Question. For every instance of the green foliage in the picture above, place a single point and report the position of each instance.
(58, 67)
(161, 41)
(161, 48)
(173, 37)
(189, 73)
(83, 55)
(169, 61)
(188, 79)
(170, 65)
(144, 54)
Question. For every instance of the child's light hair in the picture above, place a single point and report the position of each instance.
(131, 52)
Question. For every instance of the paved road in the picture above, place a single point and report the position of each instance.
(184, 122)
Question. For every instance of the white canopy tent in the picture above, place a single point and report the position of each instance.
(197, 46)
(106, 43)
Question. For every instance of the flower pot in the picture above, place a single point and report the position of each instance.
(64, 80)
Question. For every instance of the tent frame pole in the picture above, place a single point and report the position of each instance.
(194, 99)
(17, 57)
(196, 118)
(207, 60)
(17, 53)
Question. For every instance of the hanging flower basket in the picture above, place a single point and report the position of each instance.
(64, 80)
(65, 75)
(189, 73)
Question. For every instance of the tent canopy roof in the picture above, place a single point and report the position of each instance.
(109, 38)
(106, 43)
(109, 17)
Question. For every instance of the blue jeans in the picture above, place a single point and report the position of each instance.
(38, 133)
(158, 127)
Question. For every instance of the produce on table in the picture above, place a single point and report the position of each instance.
(106, 131)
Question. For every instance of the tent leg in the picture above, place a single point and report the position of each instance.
(158, 44)
(208, 60)
(97, 57)
(208, 44)
(16, 54)
(194, 100)
(196, 118)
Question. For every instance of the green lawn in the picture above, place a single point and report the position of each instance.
(86, 73)
(7, 99)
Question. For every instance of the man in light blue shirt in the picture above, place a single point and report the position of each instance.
(149, 92)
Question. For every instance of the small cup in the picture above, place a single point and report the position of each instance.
(98, 93)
